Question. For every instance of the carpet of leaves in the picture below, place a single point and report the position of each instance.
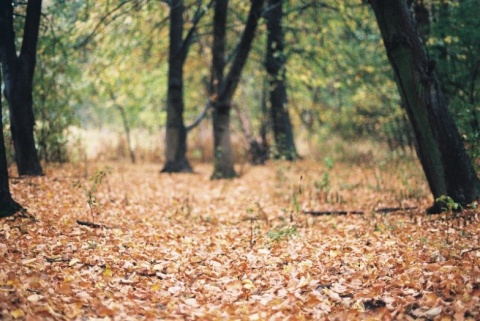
(184, 247)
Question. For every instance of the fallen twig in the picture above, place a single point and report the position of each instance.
(378, 210)
(470, 250)
(394, 209)
(25, 214)
(318, 213)
(57, 259)
(91, 224)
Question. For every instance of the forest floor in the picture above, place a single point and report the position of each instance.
(187, 248)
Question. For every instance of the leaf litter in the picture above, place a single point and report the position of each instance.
(181, 246)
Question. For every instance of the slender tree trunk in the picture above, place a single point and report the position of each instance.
(18, 74)
(265, 120)
(176, 136)
(258, 149)
(275, 65)
(448, 169)
(8, 206)
(223, 88)
(126, 127)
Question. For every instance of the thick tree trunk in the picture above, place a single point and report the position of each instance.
(223, 166)
(8, 206)
(275, 65)
(176, 136)
(218, 47)
(223, 161)
(223, 89)
(448, 169)
(22, 126)
(18, 79)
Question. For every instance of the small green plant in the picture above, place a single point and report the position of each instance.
(324, 184)
(473, 205)
(280, 233)
(296, 202)
(449, 205)
(329, 162)
(90, 191)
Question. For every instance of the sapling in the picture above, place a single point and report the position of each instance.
(450, 206)
(97, 178)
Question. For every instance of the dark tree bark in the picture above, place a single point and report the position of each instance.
(447, 167)
(176, 136)
(223, 88)
(223, 154)
(8, 206)
(275, 65)
(218, 50)
(18, 79)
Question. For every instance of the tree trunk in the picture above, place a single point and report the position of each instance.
(176, 136)
(218, 47)
(126, 127)
(275, 65)
(223, 166)
(18, 74)
(8, 206)
(223, 89)
(258, 149)
(447, 167)
(223, 161)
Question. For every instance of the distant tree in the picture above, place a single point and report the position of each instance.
(18, 79)
(223, 87)
(8, 206)
(448, 168)
(275, 65)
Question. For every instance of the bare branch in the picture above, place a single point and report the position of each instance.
(200, 117)
(103, 22)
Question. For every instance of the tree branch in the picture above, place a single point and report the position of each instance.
(233, 76)
(102, 23)
(200, 117)
(199, 13)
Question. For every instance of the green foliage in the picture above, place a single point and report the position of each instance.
(296, 203)
(324, 184)
(337, 81)
(56, 72)
(449, 205)
(281, 233)
(454, 43)
(473, 205)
